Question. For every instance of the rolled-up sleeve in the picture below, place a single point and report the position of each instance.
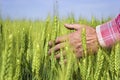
(109, 33)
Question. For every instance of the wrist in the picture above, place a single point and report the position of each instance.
(99, 37)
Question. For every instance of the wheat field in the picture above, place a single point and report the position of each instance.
(24, 52)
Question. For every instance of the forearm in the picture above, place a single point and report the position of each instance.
(109, 33)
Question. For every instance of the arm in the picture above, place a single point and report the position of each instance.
(106, 34)
(109, 33)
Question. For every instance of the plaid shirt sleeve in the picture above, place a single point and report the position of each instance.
(109, 33)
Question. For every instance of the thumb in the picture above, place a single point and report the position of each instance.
(73, 26)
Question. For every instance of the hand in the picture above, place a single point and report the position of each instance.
(75, 40)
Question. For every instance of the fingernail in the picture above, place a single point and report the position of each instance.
(49, 43)
(49, 52)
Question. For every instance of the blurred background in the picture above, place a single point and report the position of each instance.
(40, 9)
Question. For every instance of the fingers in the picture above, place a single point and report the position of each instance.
(56, 48)
(58, 40)
(79, 53)
(61, 39)
(65, 62)
(73, 26)
(57, 56)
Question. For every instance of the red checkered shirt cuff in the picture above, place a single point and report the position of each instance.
(109, 33)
